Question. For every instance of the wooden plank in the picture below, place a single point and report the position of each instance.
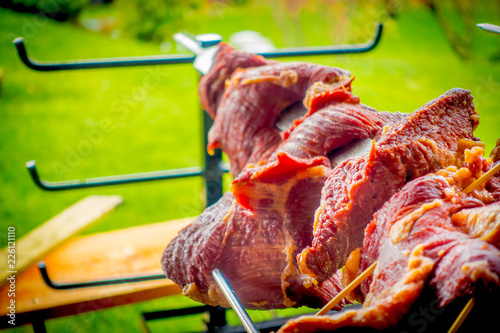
(108, 255)
(52, 233)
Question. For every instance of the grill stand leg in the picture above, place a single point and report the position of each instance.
(213, 188)
(217, 317)
(38, 325)
(213, 172)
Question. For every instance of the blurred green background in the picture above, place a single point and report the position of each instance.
(53, 118)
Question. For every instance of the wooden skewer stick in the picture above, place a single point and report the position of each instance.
(470, 304)
(347, 290)
(482, 179)
(461, 317)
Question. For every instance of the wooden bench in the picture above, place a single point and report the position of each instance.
(107, 255)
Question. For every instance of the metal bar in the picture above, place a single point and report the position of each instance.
(326, 50)
(97, 63)
(188, 43)
(184, 59)
(175, 312)
(217, 318)
(234, 301)
(214, 168)
(38, 325)
(25, 318)
(489, 27)
(64, 286)
(114, 180)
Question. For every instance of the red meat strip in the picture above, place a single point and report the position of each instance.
(416, 244)
(312, 138)
(253, 249)
(427, 140)
(244, 127)
(344, 119)
(226, 61)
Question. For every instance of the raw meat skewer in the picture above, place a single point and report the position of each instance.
(364, 275)
(417, 237)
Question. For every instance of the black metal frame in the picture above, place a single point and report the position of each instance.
(187, 59)
(213, 164)
(50, 66)
(212, 172)
(96, 283)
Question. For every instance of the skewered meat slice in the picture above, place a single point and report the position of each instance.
(427, 140)
(482, 222)
(244, 127)
(254, 239)
(335, 119)
(318, 134)
(416, 244)
(474, 166)
(252, 248)
(226, 61)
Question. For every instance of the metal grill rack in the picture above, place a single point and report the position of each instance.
(212, 172)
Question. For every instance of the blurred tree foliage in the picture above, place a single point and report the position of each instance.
(152, 20)
(344, 19)
(456, 18)
(337, 21)
(60, 10)
(155, 20)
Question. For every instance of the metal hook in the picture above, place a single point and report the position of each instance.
(325, 50)
(63, 286)
(97, 63)
(114, 180)
(183, 59)
(217, 275)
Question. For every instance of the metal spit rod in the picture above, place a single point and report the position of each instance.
(489, 27)
(234, 301)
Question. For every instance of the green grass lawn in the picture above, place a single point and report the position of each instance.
(48, 117)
